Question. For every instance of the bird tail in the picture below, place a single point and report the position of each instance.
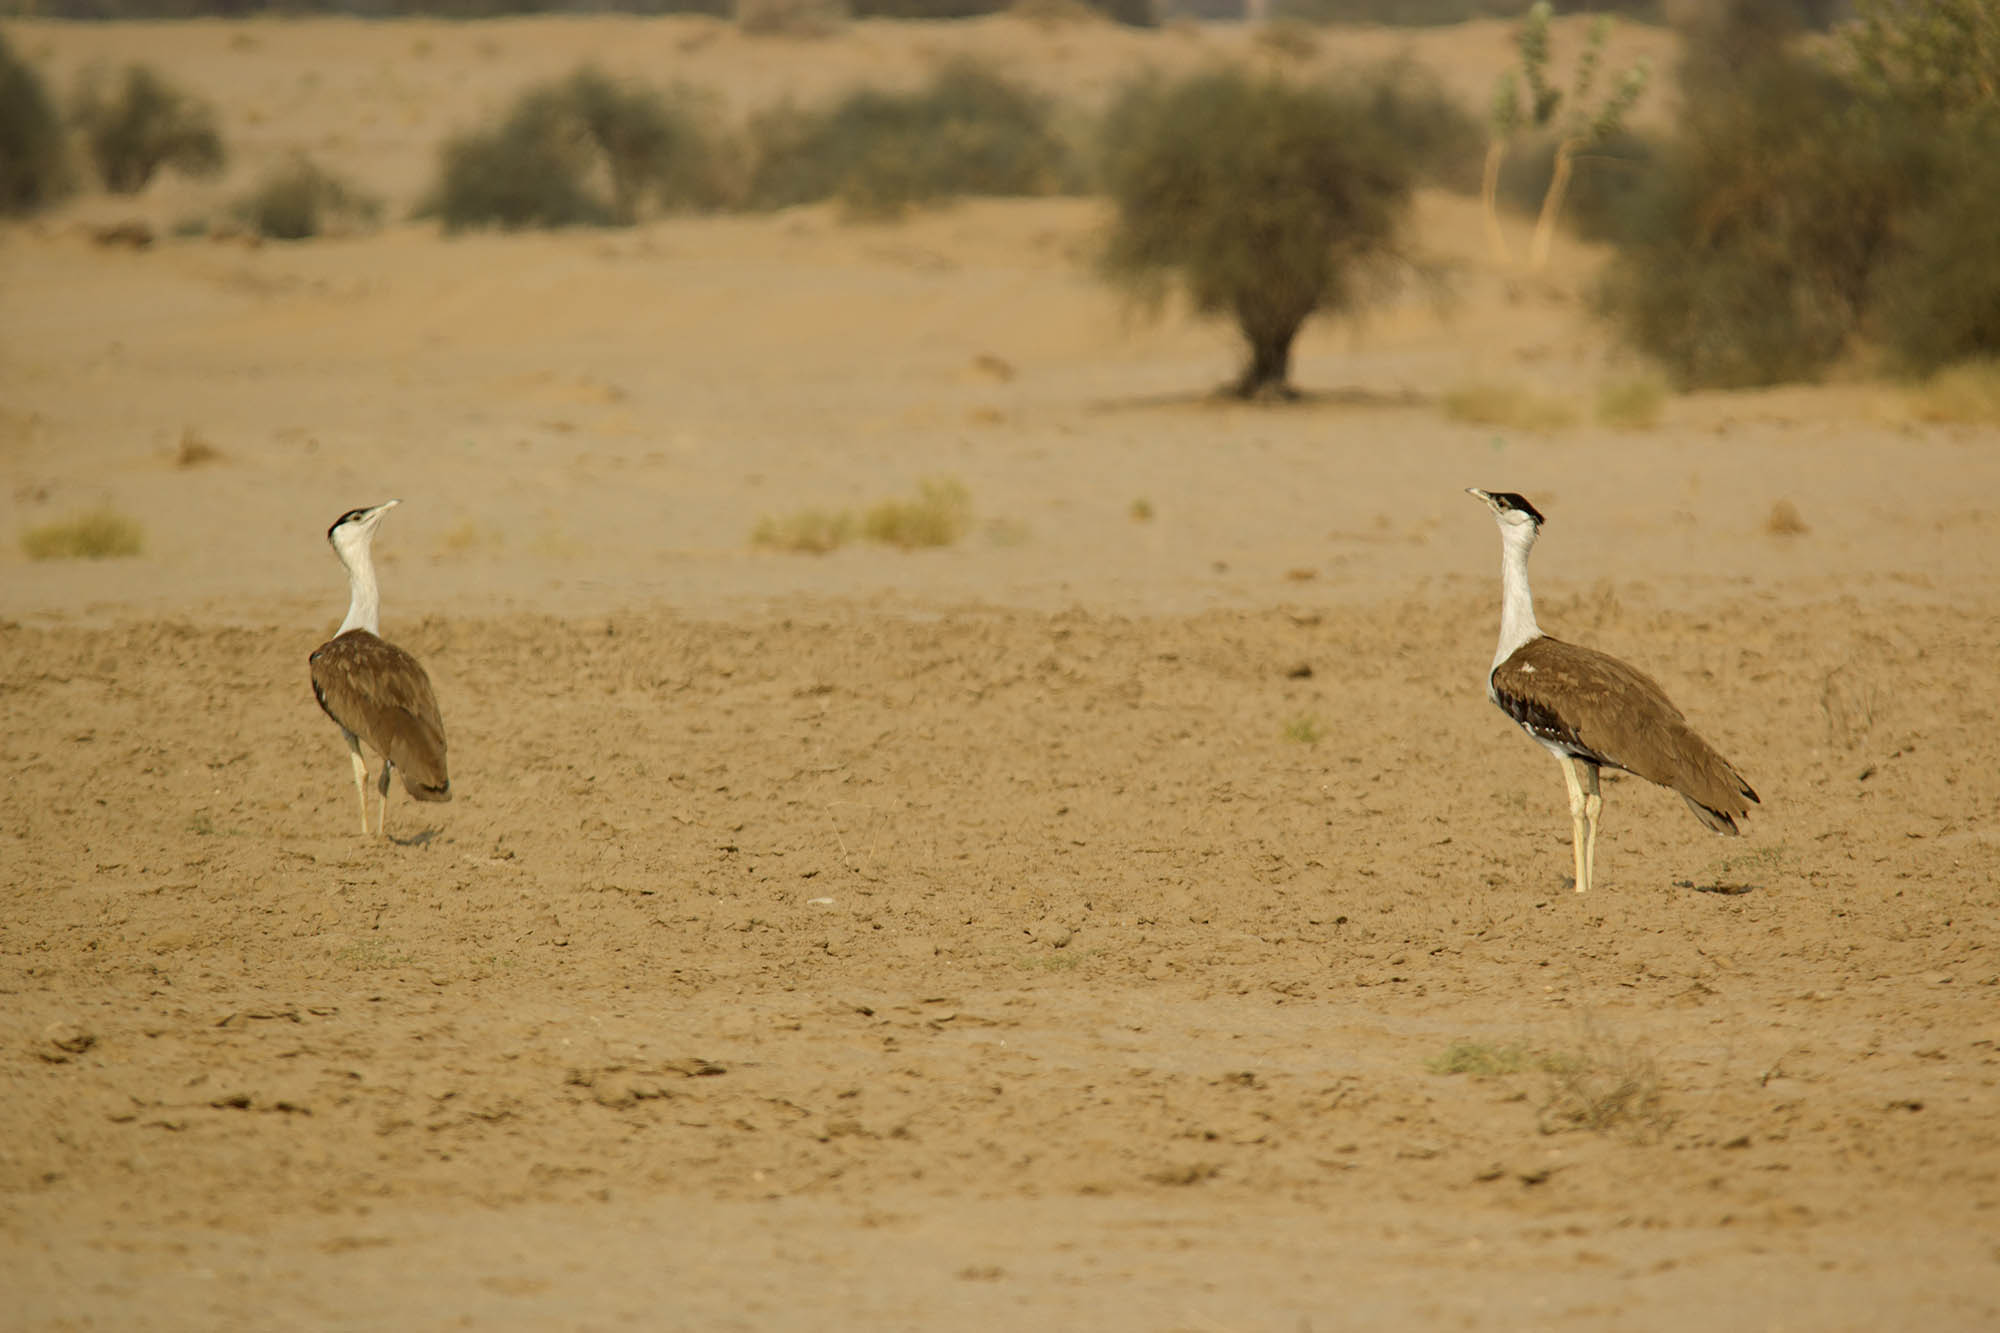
(426, 791)
(1721, 821)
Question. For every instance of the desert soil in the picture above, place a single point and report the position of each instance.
(1071, 928)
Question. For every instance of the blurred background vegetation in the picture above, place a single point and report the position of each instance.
(1820, 202)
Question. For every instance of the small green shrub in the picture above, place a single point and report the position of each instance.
(95, 534)
(540, 167)
(968, 132)
(34, 161)
(939, 516)
(140, 123)
(299, 200)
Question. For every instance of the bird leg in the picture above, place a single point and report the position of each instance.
(1578, 821)
(360, 776)
(382, 787)
(1593, 805)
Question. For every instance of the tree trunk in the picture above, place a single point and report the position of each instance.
(1552, 202)
(1489, 194)
(1269, 373)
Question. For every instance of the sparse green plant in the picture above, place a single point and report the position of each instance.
(1264, 199)
(138, 123)
(298, 200)
(1575, 121)
(540, 165)
(95, 534)
(1632, 404)
(1305, 730)
(939, 516)
(34, 161)
(969, 131)
(1482, 1058)
(807, 532)
(1515, 406)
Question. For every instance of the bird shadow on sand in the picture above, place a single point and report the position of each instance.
(1727, 890)
(1226, 396)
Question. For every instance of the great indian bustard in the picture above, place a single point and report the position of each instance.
(1591, 710)
(374, 690)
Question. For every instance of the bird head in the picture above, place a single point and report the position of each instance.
(1511, 510)
(354, 529)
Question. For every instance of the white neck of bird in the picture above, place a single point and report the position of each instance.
(1517, 603)
(364, 606)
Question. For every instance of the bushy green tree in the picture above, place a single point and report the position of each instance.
(539, 166)
(139, 122)
(1266, 200)
(34, 166)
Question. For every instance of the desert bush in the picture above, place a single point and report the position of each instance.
(1265, 200)
(94, 534)
(1811, 201)
(540, 167)
(299, 200)
(34, 161)
(1766, 221)
(139, 123)
(1935, 298)
(969, 131)
(790, 18)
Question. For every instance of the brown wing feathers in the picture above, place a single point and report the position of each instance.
(381, 694)
(1616, 715)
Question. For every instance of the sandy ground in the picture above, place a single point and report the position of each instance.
(1066, 929)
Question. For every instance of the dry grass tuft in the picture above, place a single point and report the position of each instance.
(1604, 1086)
(1964, 394)
(1305, 730)
(96, 534)
(808, 532)
(1511, 405)
(194, 451)
(939, 516)
(1633, 404)
(1784, 520)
